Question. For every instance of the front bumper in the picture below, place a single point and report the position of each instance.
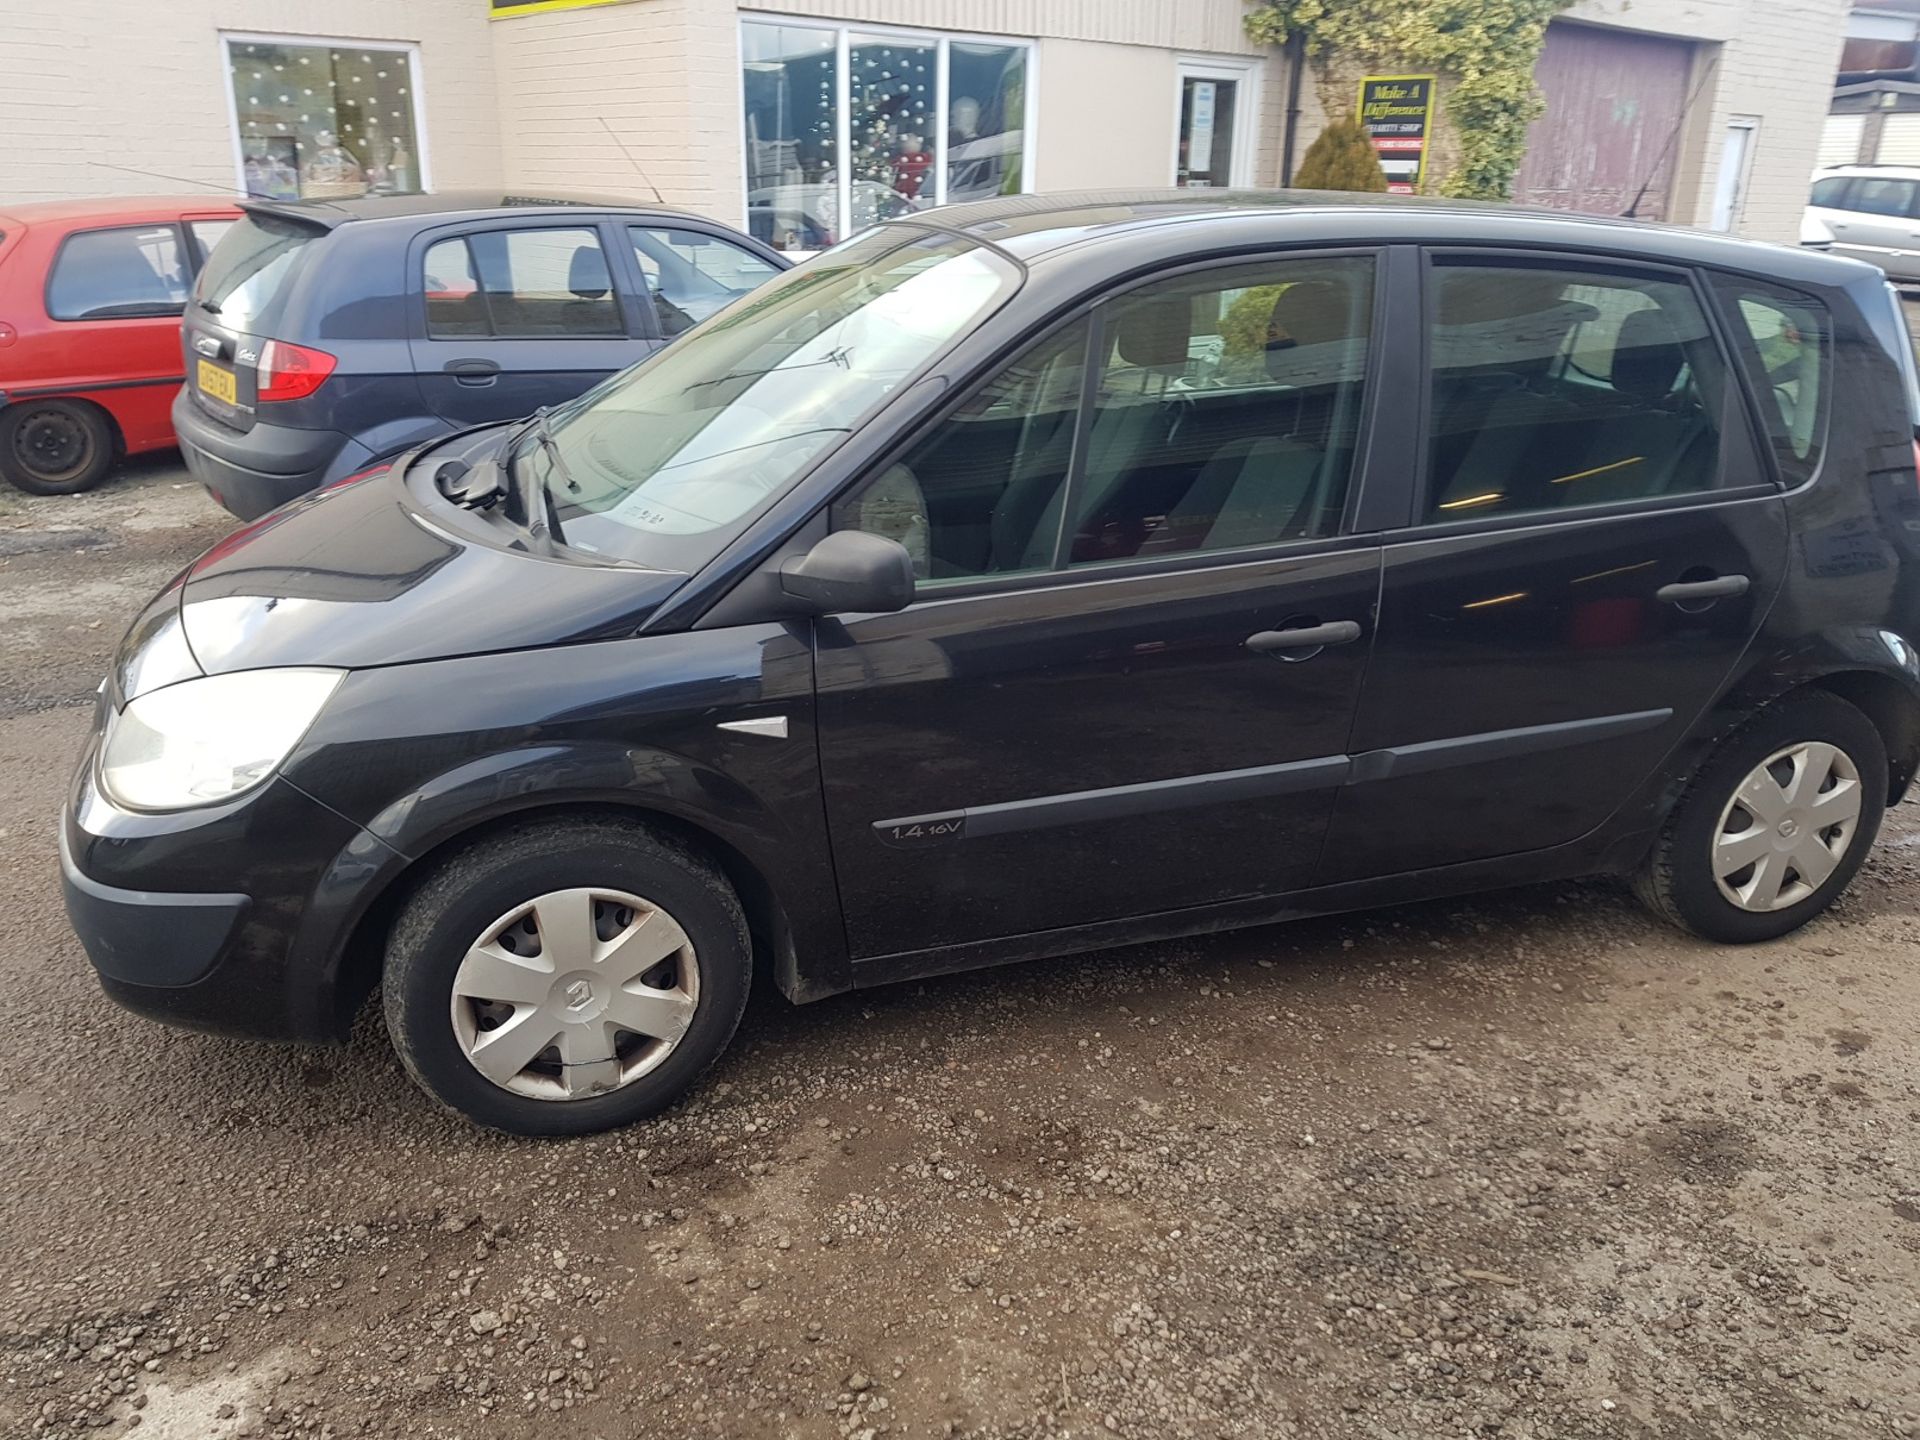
(232, 918)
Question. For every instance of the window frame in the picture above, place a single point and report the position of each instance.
(225, 40)
(843, 32)
(1742, 441)
(1720, 285)
(636, 318)
(1355, 528)
(188, 255)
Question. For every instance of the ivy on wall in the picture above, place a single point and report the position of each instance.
(1488, 46)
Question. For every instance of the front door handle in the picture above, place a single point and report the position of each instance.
(1721, 587)
(1306, 637)
(473, 372)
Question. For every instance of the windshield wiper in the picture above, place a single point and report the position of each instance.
(842, 357)
(532, 493)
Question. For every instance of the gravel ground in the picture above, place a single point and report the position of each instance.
(1528, 1165)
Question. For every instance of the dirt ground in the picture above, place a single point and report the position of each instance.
(1529, 1165)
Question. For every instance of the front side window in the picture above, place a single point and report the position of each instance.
(819, 168)
(1225, 414)
(322, 120)
(120, 274)
(691, 274)
(1554, 388)
(550, 283)
(1788, 361)
(669, 461)
(1831, 192)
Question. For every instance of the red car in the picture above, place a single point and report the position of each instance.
(90, 298)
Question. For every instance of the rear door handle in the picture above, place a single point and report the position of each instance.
(473, 372)
(1721, 587)
(1306, 637)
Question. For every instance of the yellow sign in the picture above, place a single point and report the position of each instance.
(506, 9)
(1397, 113)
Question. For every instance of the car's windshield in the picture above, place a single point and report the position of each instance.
(666, 463)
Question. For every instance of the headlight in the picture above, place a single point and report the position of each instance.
(203, 741)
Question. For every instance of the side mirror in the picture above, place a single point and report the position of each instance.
(851, 571)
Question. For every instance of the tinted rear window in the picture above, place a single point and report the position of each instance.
(251, 271)
(120, 274)
(1785, 341)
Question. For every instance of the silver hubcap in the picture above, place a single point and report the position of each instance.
(575, 993)
(1787, 827)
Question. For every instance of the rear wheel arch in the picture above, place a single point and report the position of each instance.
(1894, 710)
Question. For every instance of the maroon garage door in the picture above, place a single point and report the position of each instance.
(1610, 132)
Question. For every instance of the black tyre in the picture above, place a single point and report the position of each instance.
(566, 976)
(56, 447)
(1775, 825)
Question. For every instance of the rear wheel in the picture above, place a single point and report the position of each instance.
(566, 977)
(55, 447)
(1775, 825)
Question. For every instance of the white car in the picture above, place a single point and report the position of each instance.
(1870, 212)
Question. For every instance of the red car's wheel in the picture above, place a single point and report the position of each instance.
(55, 447)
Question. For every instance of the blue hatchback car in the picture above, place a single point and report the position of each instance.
(325, 337)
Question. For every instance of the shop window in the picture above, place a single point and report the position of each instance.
(843, 130)
(325, 121)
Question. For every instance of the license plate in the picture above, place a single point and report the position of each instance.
(216, 381)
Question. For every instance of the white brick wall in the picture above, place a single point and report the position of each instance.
(1771, 58)
(144, 85)
(663, 74)
(521, 100)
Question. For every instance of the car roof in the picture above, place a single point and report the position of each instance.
(129, 208)
(1034, 227)
(328, 214)
(1868, 168)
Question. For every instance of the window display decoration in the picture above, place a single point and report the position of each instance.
(320, 120)
(844, 129)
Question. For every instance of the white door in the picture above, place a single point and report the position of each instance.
(1218, 118)
(1736, 155)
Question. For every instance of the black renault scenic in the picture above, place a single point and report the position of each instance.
(1022, 578)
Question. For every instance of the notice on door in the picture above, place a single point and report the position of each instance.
(1397, 112)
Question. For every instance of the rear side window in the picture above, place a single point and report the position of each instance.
(1786, 344)
(119, 274)
(1831, 192)
(1556, 388)
(521, 284)
(250, 272)
(692, 274)
(1876, 196)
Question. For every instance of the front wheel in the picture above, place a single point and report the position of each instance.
(566, 977)
(1775, 825)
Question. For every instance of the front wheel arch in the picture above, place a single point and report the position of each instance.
(362, 955)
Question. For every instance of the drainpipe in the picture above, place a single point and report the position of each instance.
(1296, 53)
